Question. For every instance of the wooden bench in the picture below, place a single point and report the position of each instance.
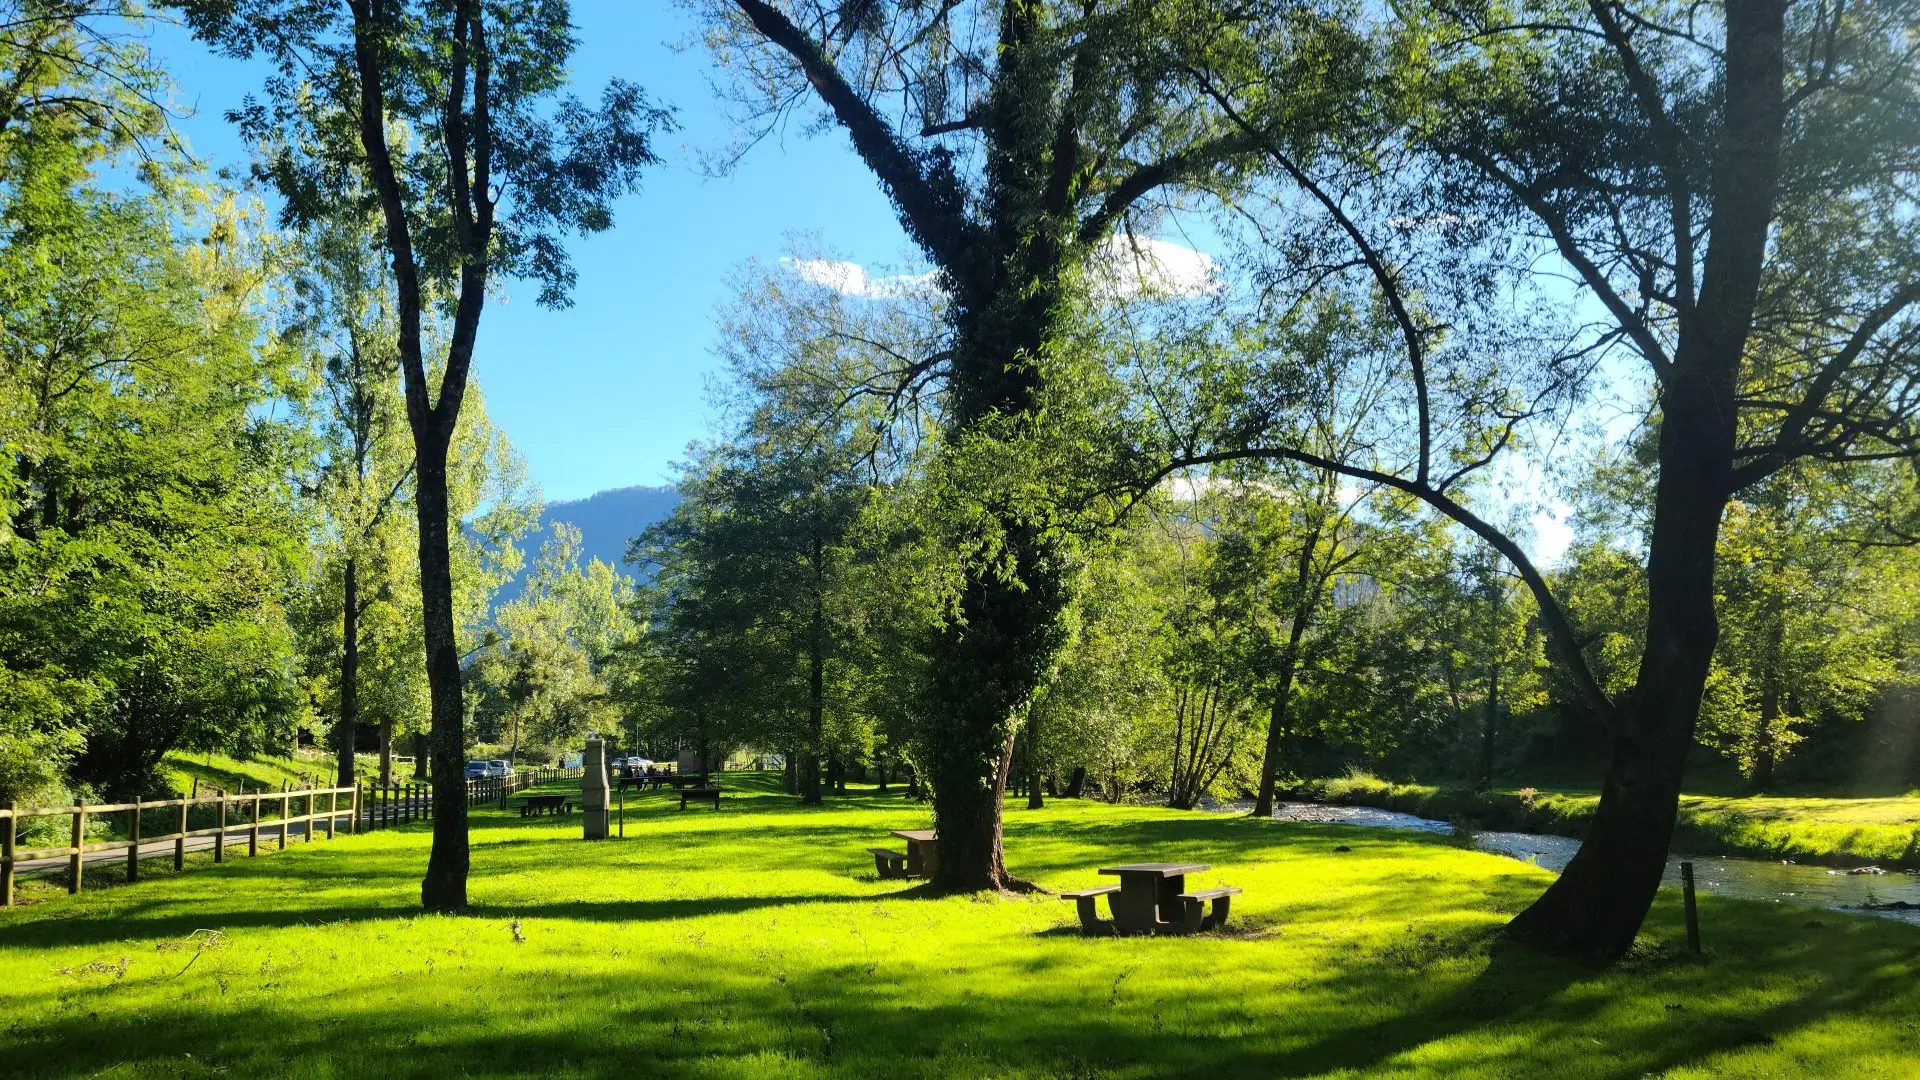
(889, 864)
(1090, 920)
(710, 794)
(1197, 918)
(534, 805)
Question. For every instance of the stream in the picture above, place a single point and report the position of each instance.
(1751, 879)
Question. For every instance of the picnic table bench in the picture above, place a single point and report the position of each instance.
(1152, 898)
(535, 805)
(923, 851)
(888, 864)
(698, 794)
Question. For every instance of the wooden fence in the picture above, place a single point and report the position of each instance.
(363, 806)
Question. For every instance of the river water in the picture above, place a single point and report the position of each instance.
(1751, 879)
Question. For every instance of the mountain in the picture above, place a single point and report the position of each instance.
(606, 520)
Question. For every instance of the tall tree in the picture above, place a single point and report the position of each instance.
(1027, 133)
(1731, 189)
(497, 168)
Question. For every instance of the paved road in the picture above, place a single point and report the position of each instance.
(236, 835)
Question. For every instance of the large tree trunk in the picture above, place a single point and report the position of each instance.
(983, 672)
(1077, 782)
(1597, 905)
(445, 886)
(346, 731)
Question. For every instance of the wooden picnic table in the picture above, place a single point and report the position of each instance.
(1149, 896)
(923, 851)
(699, 794)
(1152, 898)
(535, 805)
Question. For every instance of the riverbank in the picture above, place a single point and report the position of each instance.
(1881, 832)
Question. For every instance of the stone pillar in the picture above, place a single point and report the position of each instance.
(594, 789)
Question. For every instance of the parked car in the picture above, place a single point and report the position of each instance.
(479, 770)
(501, 768)
(617, 764)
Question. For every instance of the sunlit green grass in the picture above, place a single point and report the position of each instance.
(756, 941)
(265, 773)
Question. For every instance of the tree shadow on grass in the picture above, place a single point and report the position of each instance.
(163, 922)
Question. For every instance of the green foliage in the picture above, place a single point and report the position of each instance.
(150, 529)
(544, 685)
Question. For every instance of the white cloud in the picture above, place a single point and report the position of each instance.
(1551, 535)
(1135, 266)
(1124, 268)
(852, 279)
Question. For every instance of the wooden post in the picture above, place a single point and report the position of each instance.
(333, 809)
(7, 834)
(75, 864)
(623, 811)
(220, 830)
(133, 844)
(353, 822)
(180, 834)
(1693, 911)
(253, 828)
(283, 816)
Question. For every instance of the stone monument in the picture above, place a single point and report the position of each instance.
(594, 790)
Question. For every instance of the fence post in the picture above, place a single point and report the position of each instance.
(1693, 912)
(253, 827)
(283, 816)
(220, 831)
(353, 823)
(75, 864)
(133, 844)
(7, 835)
(180, 834)
(333, 809)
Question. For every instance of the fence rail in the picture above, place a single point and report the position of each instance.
(371, 806)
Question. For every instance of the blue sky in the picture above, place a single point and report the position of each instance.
(609, 392)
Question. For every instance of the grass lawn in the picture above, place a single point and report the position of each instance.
(265, 773)
(756, 941)
(1835, 831)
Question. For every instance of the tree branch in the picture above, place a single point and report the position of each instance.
(1559, 626)
(927, 199)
